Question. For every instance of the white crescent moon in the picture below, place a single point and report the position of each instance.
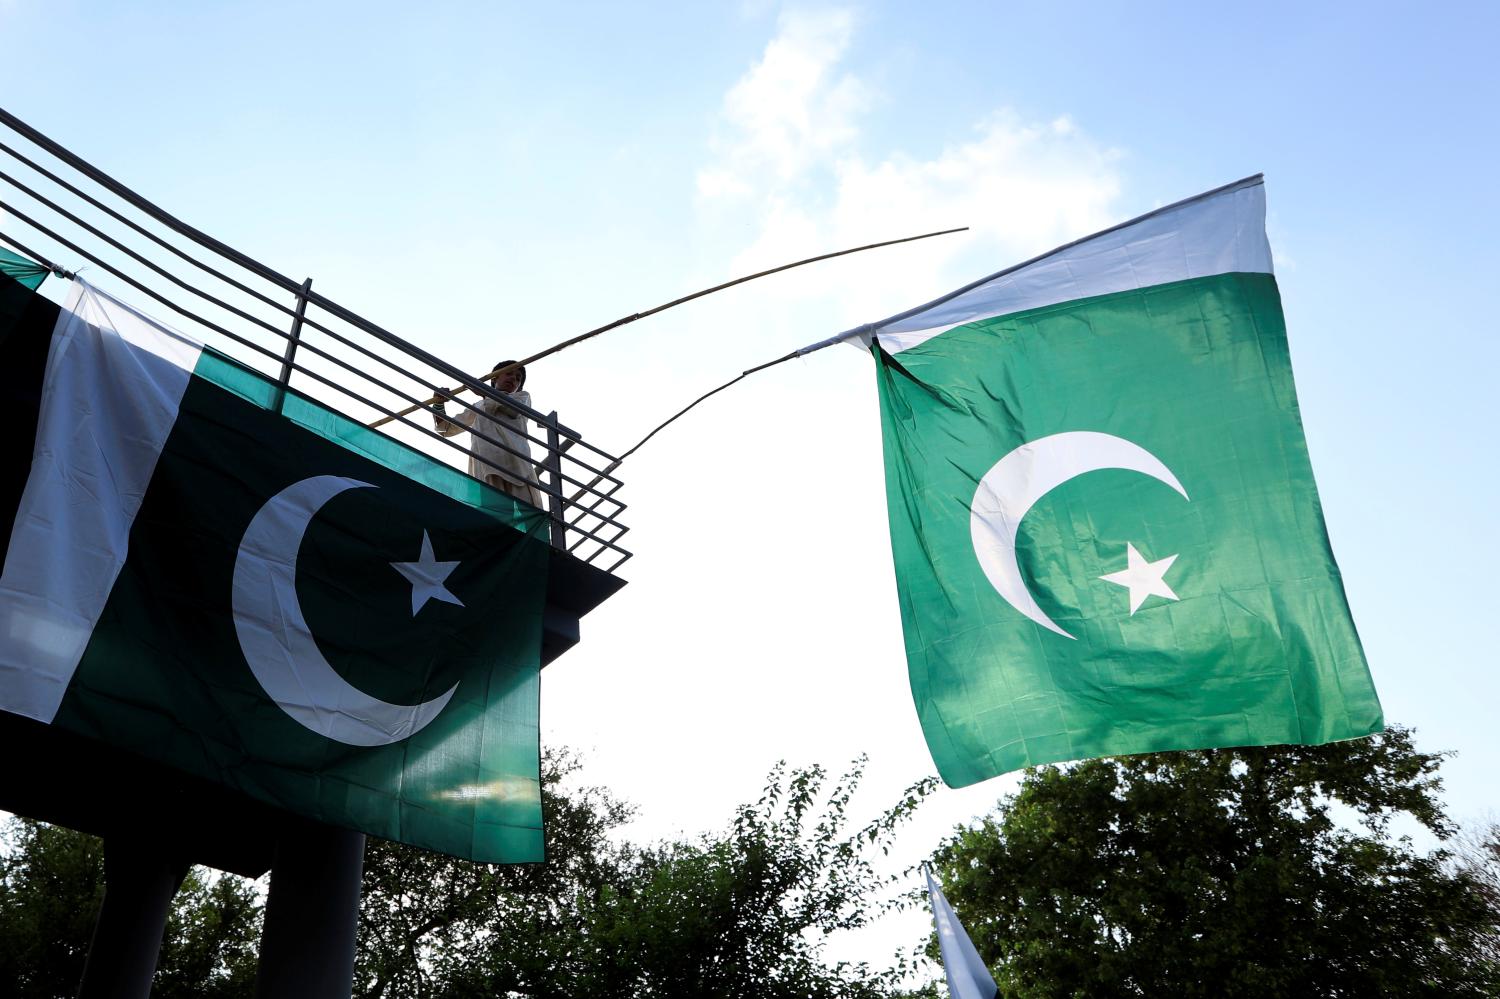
(275, 638)
(1017, 481)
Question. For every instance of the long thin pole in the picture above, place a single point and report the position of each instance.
(868, 330)
(684, 411)
(625, 320)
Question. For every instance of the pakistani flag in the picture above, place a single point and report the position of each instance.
(286, 603)
(1106, 533)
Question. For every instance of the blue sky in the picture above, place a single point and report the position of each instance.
(487, 179)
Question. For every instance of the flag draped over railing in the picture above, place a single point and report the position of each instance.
(223, 576)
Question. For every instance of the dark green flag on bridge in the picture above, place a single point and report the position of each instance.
(283, 602)
(1106, 532)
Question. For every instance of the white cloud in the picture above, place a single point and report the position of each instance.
(789, 164)
(791, 109)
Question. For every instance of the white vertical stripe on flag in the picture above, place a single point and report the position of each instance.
(113, 382)
(1222, 232)
(968, 978)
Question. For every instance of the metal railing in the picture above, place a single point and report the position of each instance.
(59, 210)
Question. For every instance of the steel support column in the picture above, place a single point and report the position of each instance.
(140, 878)
(307, 945)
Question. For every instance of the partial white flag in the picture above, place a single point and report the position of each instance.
(968, 978)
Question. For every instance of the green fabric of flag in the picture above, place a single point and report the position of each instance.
(284, 602)
(1103, 517)
(25, 273)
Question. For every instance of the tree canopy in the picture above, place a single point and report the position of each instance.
(1284, 871)
(51, 886)
(1273, 871)
(741, 912)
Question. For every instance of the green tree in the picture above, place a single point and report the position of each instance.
(51, 886)
(1476, 855)
(426, 920)
(1246, 872)
(212, 940)
(744, 912)
(747, 912)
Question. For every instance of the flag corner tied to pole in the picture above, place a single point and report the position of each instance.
(968, 978)
(26, 273)
(271, 597)
(1106, 531)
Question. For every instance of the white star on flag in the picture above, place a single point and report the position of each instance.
(1143, 578)
(427, 576)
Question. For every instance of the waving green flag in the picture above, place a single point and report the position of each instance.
(1106, 532)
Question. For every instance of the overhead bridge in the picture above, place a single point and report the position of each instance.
(61, 211)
